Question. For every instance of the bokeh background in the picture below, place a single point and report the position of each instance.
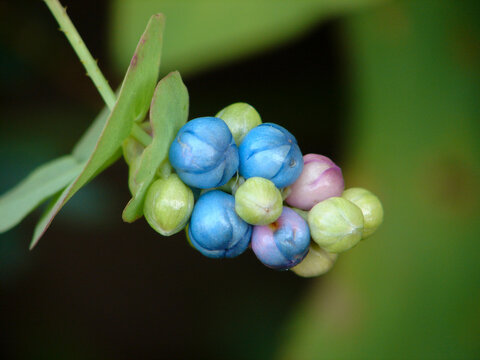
(388, 89)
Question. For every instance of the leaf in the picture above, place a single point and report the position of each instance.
(48, 179)
(38, 186)
(202, 34)
(132, 105)
(85, 146)
(168, 113)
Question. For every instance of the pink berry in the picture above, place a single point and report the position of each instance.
(320, 179)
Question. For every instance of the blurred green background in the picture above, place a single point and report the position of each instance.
(387, 89)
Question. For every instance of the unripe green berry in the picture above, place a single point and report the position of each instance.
(233, 184)
(371, 208)
(164, 170)
(336, 224)
(188, 236)
(230, 187)
(133, 149)
(258, 201)
(286, 191)
(302, 213)
(168, 205)
(317, 262)
(133, 168)
(240, 118)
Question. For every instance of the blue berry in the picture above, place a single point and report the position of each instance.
(204, 153)
(284, 243)
(271, 152)
(215, 229)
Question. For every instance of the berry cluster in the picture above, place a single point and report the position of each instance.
(234, 177)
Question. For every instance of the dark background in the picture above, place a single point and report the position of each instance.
(348, 87)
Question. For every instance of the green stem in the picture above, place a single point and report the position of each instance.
(90, 64)
(140, 135)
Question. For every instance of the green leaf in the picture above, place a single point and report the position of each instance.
(202, 34)
(49, 178)
(85, 146)
(132, 105)
(42, 183)
(168, 113)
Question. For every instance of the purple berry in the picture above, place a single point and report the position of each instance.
(284, 243)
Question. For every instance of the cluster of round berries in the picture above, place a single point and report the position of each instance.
(232, 177)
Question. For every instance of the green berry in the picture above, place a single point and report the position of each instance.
(258, 201)
(302, 213)
(133, 168)
(371, 208)
(188, 236)
(240, 118)
(317, 262)
(232, 185)
(168, 205)
(336, 224)
(132, 149)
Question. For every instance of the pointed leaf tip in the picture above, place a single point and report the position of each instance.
(132, 105)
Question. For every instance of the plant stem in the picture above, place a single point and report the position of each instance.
(140, 135)
(90, 64)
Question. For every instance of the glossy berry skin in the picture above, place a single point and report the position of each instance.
(284, 243)
(215, 229)
(320, 179)
(271, 152)
(204, 153)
